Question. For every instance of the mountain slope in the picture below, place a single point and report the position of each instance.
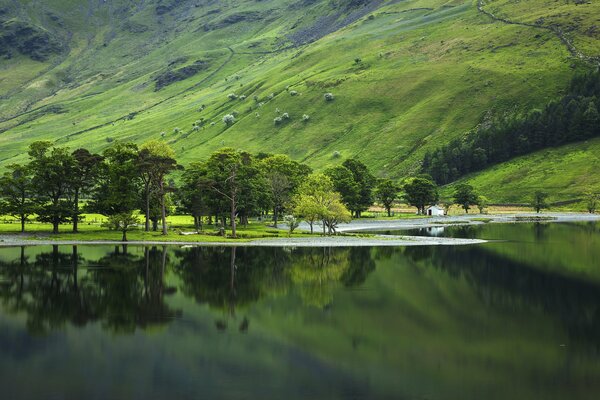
(407, 76)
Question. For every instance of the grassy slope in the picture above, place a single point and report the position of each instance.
(565, 173)
(426, 76)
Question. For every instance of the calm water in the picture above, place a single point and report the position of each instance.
(516, 319)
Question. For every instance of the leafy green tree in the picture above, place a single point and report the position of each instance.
(283, 176)
(117, 193)
(387, 192)
(234, 178)
(420, 192)
(465, 196)
(16, 192)
(317, 199)
(482, 204)
(193, 193)
(85, 172)
(539, 201)
(365, 182)
(52, 168)
(155, 161)
(344, 183)
(591, 200)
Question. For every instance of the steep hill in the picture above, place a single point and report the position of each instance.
(406, 76)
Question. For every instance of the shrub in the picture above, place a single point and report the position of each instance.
(163, 134)
(277, 110)
(212, 123)
(109, 139)
(278, 120)
(176, 130)
(235, 113)
(336, 154)
(357, 60)
(242, 97)
(257, 115)
(328, 96)
(293, 93)
(271, 96)
(232, 96)
(196, 128)
(255, 97)
(285, 116)
(305, 117)
(228, 119)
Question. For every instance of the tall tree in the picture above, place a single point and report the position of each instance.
(465, 196)
(51, 168)
(16, 191)
(85, 170)
(283, 176)
(193, 192)
(155, 161)
(387, 192)
(117, 194)
(420, 192)
(539, 201)
(365, 182)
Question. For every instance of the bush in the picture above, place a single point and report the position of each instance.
(278, 120)
(285, 116)
(176, 130)
(109, 139)
(212, 123)
(293, 93)
(336, 154)
(229, 119)
(271, 96)
(242, 97)
(328, 96)
(292, 223)
(232, 96)
(305, 117)
(163, 134)
(255, 97)
(196, 128)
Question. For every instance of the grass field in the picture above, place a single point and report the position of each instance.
(564, 173)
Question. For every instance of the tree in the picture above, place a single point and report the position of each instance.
(117, 193)
(482, 204)
(51, 168)
(539, 201)
(420, 192)
(85, 171)
(591, 199)
(387, 192)
(155, 161)
(292, 223)
(283, 176)
(227, 173)
(465, 196)
(16, 193)
(193, 191)
(355, 184)
(344, 183)
(365, 182)
(316, 199)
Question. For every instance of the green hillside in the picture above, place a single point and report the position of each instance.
(565, 173)
(407, 76)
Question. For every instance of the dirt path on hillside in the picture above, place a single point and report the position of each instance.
(552, 28)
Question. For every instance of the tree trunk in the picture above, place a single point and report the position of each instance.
(196, 226)
(233, 209)
(163, 208)
(124, 238)
(147, 194)
(275, 216)
(154, 225)
(55, 226)
(75, 211)
(23, 223)
(389, 211)
(311, 227)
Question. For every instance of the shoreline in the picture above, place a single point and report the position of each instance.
(15, 240)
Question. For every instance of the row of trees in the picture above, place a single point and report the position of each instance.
(57, 186)
(575, 117)
(118, 183)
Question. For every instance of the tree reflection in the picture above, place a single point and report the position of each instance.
(121, 291)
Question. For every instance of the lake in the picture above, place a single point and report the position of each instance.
(516, 318)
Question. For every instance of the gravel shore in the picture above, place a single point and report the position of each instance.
(346, 241)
